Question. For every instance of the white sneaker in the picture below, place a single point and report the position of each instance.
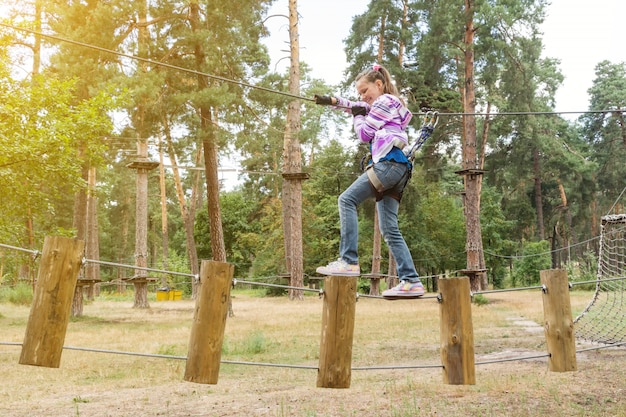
(405, 289)
(340, 267)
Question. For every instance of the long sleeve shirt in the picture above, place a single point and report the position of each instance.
(384, 127)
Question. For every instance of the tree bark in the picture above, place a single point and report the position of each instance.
(209, 145)
(292, 167)
(92, 246)
(164, 231)
(473, 244)
(538, 194)
(141, 204)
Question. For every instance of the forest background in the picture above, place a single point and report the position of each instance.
(73, 118)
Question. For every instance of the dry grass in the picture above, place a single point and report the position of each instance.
(277, 330)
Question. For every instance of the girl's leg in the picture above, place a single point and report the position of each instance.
(388, 222)
(348, 262)
(349, 200)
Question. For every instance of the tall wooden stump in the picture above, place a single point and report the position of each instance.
(52, 301)
(335, 365)
(457, 334)
(558, 322)
(209, 322)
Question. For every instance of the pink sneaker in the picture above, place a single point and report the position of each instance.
(339, 267)
(405, 289)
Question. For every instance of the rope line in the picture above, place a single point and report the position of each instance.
(140, 268)
(533, 287)
(386, 367)
(616, 201)
(269, 90)
(267, 284)
(521, 358)
(596, 281)
(312, 367)
(150, 61)
(319, 291)
(543, 253)
(33, 252)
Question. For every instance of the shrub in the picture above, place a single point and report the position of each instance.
(480, 300)
(20, 294)
(535, 257)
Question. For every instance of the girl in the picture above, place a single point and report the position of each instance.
(380, 119)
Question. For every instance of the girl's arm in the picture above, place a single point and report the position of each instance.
(378, 115)
(345, 104)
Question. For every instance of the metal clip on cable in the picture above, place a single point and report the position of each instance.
(431, 118)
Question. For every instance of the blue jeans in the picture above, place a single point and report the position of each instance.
(392, 175)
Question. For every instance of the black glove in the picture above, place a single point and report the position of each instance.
(324, 100)
(358, 111)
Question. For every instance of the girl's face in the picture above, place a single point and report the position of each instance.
(369, 91)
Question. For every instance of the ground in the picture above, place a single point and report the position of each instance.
(276, 330)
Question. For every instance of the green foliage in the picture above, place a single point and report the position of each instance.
(242, 230)
(332, 173)
(20, 294)
(534, 258)
(496, 229)
(605, 133)
(585, 268)
(480, 300)
(52, 128)
(432, 223)
(172, 349)
(39, 137)
(253, 344)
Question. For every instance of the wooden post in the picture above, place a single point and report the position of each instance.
(335, 365)
(559, 325)
(209, 322)
(52, 301)
(457, 335)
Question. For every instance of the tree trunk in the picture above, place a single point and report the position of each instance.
(218, 249)
(79, 221)
(568, 235)
(141, 232)
(92, 247)
(473, 244)
(142, 166)
(164, 231)
(292, 167)
(122, 256)
(538, 194)
(196, 201)
(209, 145)
(209, 141)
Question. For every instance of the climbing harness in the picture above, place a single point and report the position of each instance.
(431, 118)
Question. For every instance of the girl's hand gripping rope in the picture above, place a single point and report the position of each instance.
(323, 100)
(431, 118)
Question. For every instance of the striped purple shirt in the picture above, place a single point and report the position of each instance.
(384, 126)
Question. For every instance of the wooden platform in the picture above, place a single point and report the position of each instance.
(139, 279)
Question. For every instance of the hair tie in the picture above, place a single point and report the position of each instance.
(376, 67)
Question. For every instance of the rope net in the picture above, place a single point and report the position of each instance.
(604, 319)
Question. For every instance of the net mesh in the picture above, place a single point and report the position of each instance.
(604, 319)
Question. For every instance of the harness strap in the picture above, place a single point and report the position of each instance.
(371, 175)
(379, 188)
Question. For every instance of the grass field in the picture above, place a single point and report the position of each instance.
(276, 330)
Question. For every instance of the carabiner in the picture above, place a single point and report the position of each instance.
(431, 118)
